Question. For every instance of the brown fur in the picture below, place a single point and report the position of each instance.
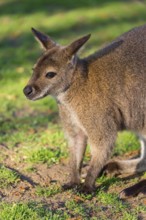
(97, 97)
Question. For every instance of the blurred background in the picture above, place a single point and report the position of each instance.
(24, 123)
(31, 138)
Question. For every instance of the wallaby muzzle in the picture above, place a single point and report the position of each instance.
(28, 91)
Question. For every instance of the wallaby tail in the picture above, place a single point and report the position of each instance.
(130, 166)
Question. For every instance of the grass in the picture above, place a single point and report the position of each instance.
(117, 206)
(48, 191)
(33, 211)
(44, 155)
(30, 133)
(126, 141)
(30, 211)
(8, 177)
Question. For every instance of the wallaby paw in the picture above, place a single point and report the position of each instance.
(70, 185)
(112, 168)
(86, 189)
(138, 188)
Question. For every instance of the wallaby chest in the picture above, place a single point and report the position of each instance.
(73, 111)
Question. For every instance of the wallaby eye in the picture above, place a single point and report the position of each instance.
(50, 75)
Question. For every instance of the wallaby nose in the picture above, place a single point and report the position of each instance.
(27, 90)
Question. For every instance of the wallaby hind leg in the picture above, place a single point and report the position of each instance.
(99, 156)
(77, 142)
(130, 166)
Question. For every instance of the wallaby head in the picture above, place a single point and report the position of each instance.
(54, 70)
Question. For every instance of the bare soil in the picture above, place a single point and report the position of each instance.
(55, 175)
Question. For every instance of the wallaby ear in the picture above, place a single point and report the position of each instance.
(77, 44)
(43, 39)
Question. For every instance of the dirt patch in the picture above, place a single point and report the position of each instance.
(42, 176)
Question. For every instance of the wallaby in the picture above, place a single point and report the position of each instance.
(97, 96)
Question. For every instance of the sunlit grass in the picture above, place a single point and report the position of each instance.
(30, 211)
(7, 177)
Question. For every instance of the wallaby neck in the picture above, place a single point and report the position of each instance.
(81, 70)
(78, 79)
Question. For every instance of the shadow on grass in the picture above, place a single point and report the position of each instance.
(110, 181)
(23, 48)
(40, 119)
(50, 7)
(28, 126)
(22, 176)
